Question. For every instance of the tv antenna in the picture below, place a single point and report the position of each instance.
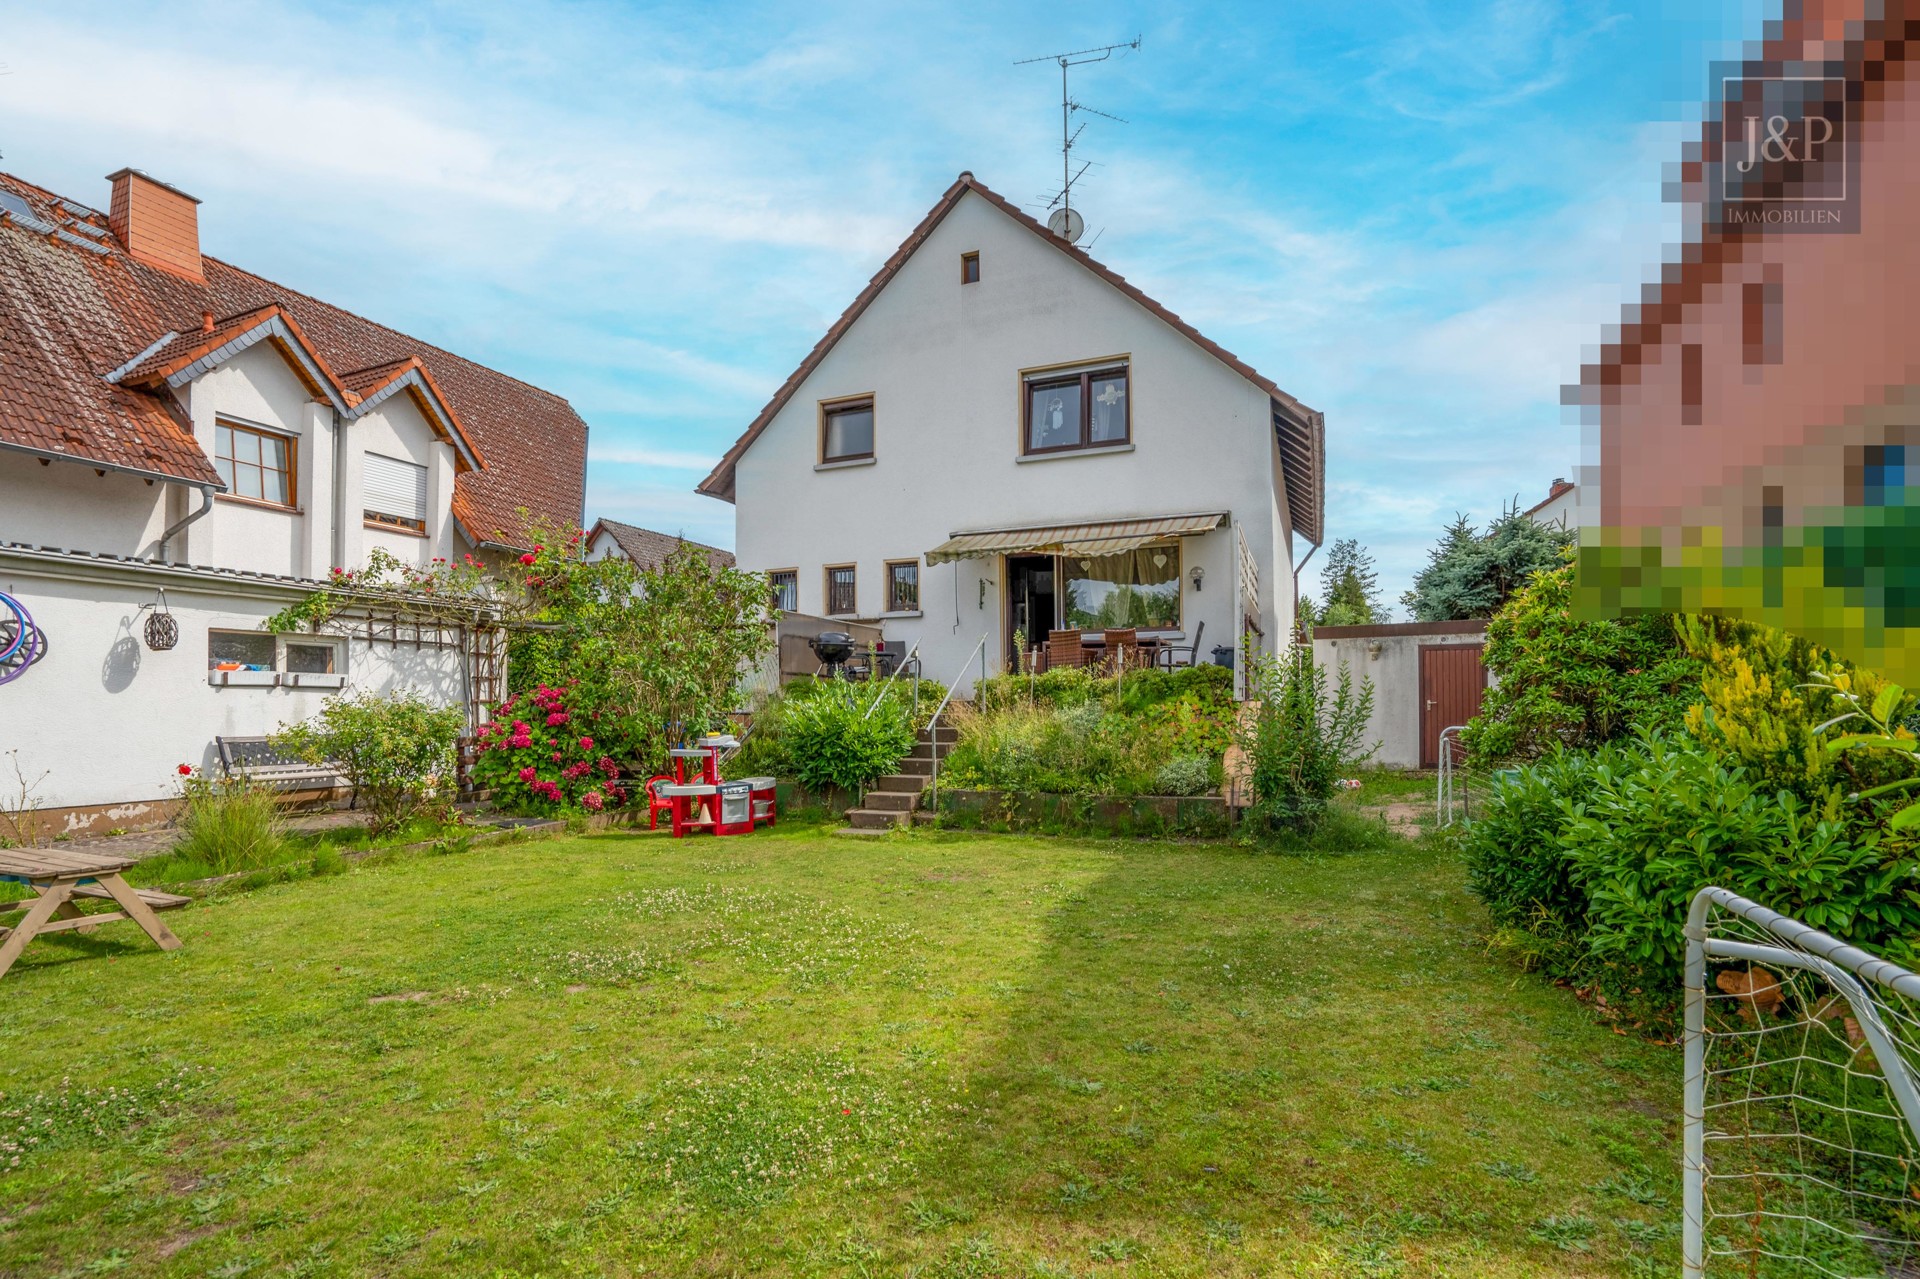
(1065, 222)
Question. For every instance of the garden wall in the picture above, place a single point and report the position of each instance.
(1203, 816)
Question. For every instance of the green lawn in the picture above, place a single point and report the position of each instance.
(797, 1053)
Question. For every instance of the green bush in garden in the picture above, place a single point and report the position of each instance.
(1305, 734)
(228, 824)
(1601, 855)
(835, 735)
(397, 752)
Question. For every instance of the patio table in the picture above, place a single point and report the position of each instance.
(60, 877)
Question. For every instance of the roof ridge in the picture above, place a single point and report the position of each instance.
(386, 328)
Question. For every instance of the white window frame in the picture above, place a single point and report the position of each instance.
(279, 676)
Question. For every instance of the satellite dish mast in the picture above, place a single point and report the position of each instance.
(1065, 222)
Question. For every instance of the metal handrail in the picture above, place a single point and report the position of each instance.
(933, 734)
(913, 655)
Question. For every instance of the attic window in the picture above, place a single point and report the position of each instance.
(257, 465)
(970, 268)
(846, 430)
(396, 493)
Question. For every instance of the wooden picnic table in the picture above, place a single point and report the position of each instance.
(63, 879)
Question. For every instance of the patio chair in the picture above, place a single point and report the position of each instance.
(1123, 648)
(656, 802)
(1063, 649)
(1172, 655)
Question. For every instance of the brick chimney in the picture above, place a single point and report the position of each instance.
(158, 224)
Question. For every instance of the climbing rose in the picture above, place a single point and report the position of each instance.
(526, 559)
(186, 770)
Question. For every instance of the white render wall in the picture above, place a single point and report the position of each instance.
(110, 720)
(943, 362)
(1392, 664)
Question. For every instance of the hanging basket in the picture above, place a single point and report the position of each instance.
(162, 632)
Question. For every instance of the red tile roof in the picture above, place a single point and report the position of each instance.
(74, 308)
(1301, 430)
(649, 549)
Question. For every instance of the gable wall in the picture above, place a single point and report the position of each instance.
(943, 361)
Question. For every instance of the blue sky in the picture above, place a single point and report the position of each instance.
(1414, 217)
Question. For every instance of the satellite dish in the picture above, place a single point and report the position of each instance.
(1067, 224)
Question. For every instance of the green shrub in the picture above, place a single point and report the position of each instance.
(1302, 738)
(229, 824)
(1209, 687)
(396, 752)
(1078, 748)
(1640, 828)
(765, 751)
(830, 738)
(1579, 684)
(1184, 775)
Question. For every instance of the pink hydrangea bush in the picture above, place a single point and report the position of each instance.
(534, 757)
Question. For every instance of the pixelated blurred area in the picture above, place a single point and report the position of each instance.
(1751, 428)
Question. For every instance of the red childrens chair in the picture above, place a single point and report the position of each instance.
(656, 802)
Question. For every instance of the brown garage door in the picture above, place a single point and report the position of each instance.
(1451, 683)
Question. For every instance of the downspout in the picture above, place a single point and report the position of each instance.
(338, 513)
(206, 504)
(1297, 632)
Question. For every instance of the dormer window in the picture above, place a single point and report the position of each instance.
(846, 430)
(396, 493)
(1086, 409)
(257, 465)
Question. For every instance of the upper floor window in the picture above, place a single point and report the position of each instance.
(969, 268)
(257, 465)
(786, 590)
(1077, 410)
(396, 493)
(846, 430)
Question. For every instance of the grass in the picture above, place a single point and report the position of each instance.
(796, 1054)
(319, 849)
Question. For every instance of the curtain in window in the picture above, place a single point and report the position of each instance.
(1135, 588)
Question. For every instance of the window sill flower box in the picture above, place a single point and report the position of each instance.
(313, 679)
(243, 679)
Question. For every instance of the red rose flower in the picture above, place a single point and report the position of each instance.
(186, 770)
(526, 559)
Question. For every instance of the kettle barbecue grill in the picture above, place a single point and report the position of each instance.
(833, 648)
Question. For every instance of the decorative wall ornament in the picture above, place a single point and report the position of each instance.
(21, 642)
(161, 631)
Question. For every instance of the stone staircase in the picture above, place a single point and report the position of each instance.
(894, 800)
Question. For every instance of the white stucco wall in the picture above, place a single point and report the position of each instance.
(943, 363)
(67, 505)
(110, 720)
(1392, 663)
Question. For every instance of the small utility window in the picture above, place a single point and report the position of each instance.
(786, 590)
(969, 268)
(841, 601)
(903, 586)
(240, 651)
(846, 430)
(308, 657)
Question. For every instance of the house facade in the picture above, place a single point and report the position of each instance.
(1751, 420)
(646, 548)
(1001, 438)
(184, 440)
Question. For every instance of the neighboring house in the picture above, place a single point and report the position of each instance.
(646, 548)
(1757, 411)
(1001, 435)
(1559, 509)
(181, 437)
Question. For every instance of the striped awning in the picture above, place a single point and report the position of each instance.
(1107, 538)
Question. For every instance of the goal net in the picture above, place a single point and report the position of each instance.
(1801, 1106)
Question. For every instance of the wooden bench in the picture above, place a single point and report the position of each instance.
(255, 759)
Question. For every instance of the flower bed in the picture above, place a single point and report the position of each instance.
(1143, 816)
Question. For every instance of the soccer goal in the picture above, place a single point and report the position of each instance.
(1802, 1118)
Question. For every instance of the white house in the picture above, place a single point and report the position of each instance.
(1560, 508)
(1001, 435)
(182, 439)
(646, 548)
